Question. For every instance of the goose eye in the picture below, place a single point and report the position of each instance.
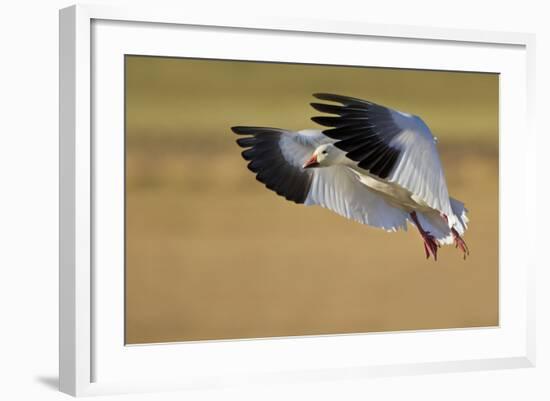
(325, 152)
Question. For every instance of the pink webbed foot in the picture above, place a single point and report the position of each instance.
(430, 245)
(460, 244)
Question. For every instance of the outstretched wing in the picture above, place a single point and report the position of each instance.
(394, 146)
(277, 157)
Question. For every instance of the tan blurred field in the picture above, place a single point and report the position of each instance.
(212, 254)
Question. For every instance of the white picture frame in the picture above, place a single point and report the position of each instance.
(92, 353)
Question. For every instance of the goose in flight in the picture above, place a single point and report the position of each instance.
(374, 165)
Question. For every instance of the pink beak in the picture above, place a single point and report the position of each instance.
(312, 162)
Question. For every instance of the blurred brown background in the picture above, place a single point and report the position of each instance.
(212, 254)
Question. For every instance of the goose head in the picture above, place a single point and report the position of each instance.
(324, 155)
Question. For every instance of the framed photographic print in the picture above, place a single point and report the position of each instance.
(264, 201)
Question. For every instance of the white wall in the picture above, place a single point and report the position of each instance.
(28, 200)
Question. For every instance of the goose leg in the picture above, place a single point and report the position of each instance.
(459, 243)
(430, 244)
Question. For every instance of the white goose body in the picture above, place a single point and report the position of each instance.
(376, 165)
(394, 194)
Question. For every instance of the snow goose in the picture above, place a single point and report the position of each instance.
(374, 165)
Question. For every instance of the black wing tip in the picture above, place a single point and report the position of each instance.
(328, 108)
(328, 96)
(252, 130)
(244, 130)
(328, 121)
(239, 130)
(342, 99)
(317, 119)
(318, 106)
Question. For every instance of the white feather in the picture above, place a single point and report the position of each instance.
(433, 222)
(418, 168)
(417, 182)
(337, 188)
